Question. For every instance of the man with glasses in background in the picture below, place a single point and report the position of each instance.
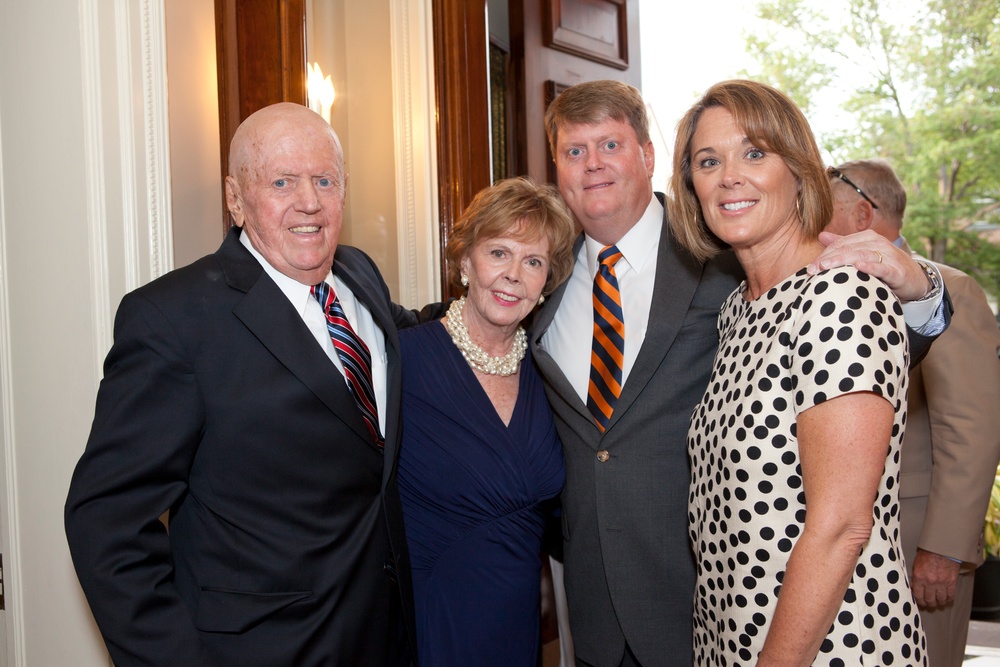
(952, 443)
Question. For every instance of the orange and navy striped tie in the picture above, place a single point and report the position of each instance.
(608, 353)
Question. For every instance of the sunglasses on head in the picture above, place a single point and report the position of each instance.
(836, 173)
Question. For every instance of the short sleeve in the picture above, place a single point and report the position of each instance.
(849, 337)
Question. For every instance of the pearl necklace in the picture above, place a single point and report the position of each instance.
(476, 356)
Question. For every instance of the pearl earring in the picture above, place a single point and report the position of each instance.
(465, 280)
(541, 299)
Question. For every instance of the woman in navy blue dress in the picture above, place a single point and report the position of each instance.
(480, 454)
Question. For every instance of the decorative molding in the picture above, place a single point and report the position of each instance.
(128, 157)
(98, 214)
(143, 142)
(11, 539)
(416, 160)
(121, 176)
(157, 138)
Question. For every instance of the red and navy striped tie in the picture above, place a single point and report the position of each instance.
(353, 355)
(608, 352)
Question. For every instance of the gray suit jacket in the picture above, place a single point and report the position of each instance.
(629, 571)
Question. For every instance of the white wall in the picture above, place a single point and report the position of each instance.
(82, 220)
(44, 241)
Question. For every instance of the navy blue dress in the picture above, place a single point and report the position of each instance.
(472, 491)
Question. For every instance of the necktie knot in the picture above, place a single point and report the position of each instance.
(322, 293)
(609, 256)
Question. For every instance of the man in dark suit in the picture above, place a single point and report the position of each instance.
(225, 403)
(629, 572)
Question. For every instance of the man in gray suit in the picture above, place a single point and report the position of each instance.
(629, 572)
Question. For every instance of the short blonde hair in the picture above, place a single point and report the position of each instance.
(772, 121)
(593, 102)
(520, 208)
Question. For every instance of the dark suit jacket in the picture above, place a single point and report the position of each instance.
(285, 523)
(629, 572)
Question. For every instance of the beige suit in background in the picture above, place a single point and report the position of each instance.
(950, 454)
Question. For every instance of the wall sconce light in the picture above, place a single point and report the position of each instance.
(320, 91)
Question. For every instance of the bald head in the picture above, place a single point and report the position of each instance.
(286, 188)
(257, 135)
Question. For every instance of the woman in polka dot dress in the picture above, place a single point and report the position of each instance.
(793, 506)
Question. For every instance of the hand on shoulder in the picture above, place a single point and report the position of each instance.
(872, 253)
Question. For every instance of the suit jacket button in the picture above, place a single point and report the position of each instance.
(603, 456)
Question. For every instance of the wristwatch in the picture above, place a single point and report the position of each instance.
(933, 277)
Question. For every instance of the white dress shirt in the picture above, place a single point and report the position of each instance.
(926, 315)
(311, 312)
(570, 336)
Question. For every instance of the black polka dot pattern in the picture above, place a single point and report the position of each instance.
(805, 341)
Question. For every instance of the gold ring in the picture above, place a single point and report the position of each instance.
(879, 256)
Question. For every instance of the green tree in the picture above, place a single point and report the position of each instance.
(923, 93)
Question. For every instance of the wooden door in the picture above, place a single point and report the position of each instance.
(261, 54)
(461, 81)
(555, 44)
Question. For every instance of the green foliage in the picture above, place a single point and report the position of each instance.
(923, 92)
(795, 72)
(991, 535)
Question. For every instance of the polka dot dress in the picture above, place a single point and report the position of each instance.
(805, 341)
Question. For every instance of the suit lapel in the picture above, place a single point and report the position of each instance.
(677, 277)
(266, 312)
(548, 367)
(368, 291)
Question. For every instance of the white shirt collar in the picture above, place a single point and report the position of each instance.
(639, 243)
(297, 293)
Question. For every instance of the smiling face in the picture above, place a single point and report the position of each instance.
(604, 176)
(286, 189)
(506, 277)
(747, 193)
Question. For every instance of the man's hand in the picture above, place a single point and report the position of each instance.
(934, 579)
(872, 253)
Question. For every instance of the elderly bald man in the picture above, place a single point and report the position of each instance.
(226, 402)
